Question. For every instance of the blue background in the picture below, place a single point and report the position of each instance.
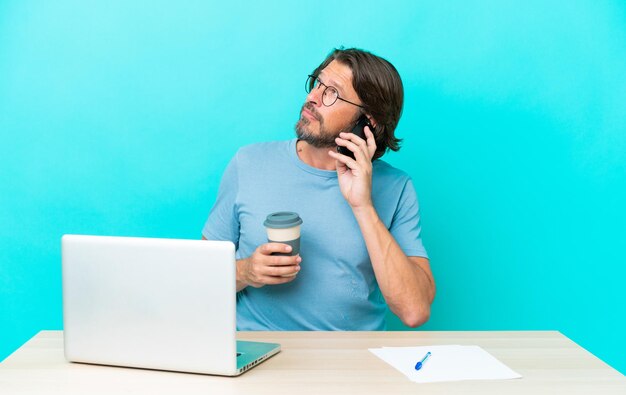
(119, 119)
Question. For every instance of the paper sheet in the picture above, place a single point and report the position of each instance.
(446, 363)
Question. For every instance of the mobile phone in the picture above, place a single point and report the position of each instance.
(359, 125)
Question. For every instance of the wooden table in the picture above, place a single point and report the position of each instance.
(324, 363)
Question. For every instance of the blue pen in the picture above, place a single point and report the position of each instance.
(419, 365)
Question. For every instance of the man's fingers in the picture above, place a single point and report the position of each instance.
(362, 142)
(279, 271)
(278, 260)
(268, 269)
(280, 279)
(371, 141)
(269, 248)
(343, 159)
(357, 150)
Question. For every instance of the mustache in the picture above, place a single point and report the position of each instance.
(311, 108)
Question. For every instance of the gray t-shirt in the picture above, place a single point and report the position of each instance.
(336, 288)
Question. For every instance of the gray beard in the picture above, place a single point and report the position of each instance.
(325, 139)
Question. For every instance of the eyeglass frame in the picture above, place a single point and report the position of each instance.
(311, 80)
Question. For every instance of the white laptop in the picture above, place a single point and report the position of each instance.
(154, 303)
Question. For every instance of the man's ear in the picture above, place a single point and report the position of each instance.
(372, 120)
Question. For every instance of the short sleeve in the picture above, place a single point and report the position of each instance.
(223, 221)
(405, 226)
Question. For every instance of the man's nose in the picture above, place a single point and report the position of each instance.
(315, 96)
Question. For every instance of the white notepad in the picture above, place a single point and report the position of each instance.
(446, 363)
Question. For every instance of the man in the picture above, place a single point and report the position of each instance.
(361, 248)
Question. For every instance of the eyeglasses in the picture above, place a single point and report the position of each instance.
(330, 94)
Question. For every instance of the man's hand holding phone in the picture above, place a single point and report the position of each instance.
(358, 130)
(355, 174)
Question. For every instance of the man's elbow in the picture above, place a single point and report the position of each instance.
(416, 318)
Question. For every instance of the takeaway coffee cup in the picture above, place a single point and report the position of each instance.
(284, 227)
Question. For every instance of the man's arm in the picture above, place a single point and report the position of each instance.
(260, 268)
(407, 283)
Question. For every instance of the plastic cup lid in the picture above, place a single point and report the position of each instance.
(282, 220)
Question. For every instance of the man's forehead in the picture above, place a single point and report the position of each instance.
(337, 74)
